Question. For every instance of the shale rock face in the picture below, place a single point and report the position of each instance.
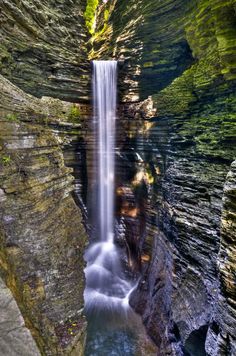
(43, 51)
(226, 310)
(176, 163)
(42, 237)
(43, 47)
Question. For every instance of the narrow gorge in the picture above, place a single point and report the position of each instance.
(161, 234)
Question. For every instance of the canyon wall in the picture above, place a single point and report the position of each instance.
(43, 52)
(43, 47)
(179, 57)
(175, 170)
(42, 236)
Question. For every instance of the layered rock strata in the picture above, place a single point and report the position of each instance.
(42, 236)
(176, 163)
(43, 47)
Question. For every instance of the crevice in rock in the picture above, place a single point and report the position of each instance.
(195, 344)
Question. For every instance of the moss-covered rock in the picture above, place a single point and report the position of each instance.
(90, 15)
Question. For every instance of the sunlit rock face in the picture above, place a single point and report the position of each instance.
(43, 47)
(150, 42)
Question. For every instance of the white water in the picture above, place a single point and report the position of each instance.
(106, 287)
(104, 94)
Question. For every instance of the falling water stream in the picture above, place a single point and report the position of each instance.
(111, 321)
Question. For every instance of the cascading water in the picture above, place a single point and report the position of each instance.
(111, 321)
(106, 287)
(104, 84)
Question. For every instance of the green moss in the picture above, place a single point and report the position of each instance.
(103, 30)
(12, 117)
(74, 114)
(5, 57)
(148, 64)
(6, 160)
(90, 15)
(103, 27)
(213, 128)
(106, 15)
(176, 98)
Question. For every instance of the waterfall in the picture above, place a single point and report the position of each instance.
(106, 287)
(113, 327)
(104, 96)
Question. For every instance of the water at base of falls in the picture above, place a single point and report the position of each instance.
(111, 321)
(118, 337)
(110, 343)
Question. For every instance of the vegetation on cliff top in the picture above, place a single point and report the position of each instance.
(90, 15)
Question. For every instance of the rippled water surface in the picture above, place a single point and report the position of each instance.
(117, 335)
(110, 342)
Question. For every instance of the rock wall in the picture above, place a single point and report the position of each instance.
(43, 47)
(42, 236)
(43, 52)
(176, 162)
(226, 306)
